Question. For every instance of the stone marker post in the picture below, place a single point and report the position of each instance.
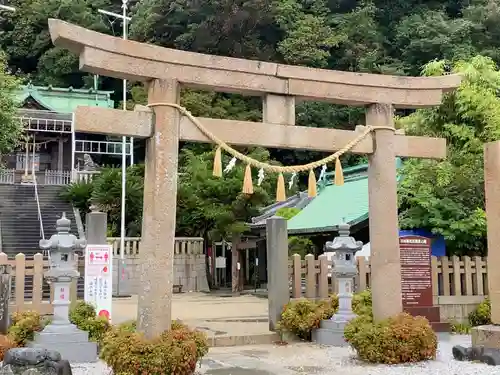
(277, 268)
(5, 287)
(331, 332)
(60, 335)
(96, 224)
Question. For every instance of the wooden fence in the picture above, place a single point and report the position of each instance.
(458, 284)
(183, 245)
(29, 288)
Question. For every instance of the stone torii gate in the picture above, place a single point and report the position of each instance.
(165, 70)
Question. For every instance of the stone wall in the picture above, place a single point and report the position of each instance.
(189, 265)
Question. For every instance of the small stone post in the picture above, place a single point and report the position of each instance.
(5, 287)
(331, 332)
(60, 335)
(277, 268)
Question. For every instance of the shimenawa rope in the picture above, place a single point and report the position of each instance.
(280, 195)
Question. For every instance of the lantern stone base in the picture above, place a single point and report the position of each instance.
(67, 339)
(330, 333)
(485, 346)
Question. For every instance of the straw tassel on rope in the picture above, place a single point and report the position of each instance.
(311, 186)
(280, 189)
(339, 174)
(247, 181)
(217, 172)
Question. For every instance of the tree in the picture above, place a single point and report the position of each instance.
(11, 128)
(447, 197)
(215, 208)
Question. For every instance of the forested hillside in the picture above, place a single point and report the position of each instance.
(381, 36)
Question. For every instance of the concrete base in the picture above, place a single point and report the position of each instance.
(72, 343)
(487, 336)
(330, 333)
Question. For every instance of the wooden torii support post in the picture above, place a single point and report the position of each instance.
(280, 86)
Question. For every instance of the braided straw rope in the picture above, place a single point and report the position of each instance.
(266, 166)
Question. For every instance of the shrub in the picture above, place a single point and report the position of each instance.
(460, 328)
(6, 343)
(174, 352)
(83, 315)
(129, 326)
(24, 325)
(362, 303)
(302, 316)
(400, 339)
(481, 315)
(81, 312)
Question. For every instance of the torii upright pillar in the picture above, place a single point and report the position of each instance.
(279, 85)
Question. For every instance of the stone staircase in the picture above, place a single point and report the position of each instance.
(19, 217)
(20, 228)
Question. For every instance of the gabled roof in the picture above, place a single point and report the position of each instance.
(299, 200)
(63, 100)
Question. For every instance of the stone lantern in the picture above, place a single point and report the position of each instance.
(60, 335)
(344, 268)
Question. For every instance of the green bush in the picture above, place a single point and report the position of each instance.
(400, 339)
(129, 326)
(460, 328)
(174, 352)
(83, 315)
(481, 315)
(362, 303)
(24, 325)
(301, 316)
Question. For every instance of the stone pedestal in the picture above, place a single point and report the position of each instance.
(433, 316)
(72, 343)
(62, 336)
(485, 346)
(330, 333)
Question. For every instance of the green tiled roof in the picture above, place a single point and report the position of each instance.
(335, 205)
(64, 100)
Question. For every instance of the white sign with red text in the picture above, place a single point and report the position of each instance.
(99, 278)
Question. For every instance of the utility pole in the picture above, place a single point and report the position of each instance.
(121, 263)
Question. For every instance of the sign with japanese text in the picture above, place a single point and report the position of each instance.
(416, 276)
(99, 278)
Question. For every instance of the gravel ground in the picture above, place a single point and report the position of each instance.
(304, 358)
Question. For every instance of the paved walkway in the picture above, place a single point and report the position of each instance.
(310, 359)
(216, 315)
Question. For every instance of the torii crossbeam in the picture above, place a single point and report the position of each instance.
(280, 86)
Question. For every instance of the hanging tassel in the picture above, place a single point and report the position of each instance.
(247, 181)
(280, 189)
(339, 175)
(311, 186)
(217, 163)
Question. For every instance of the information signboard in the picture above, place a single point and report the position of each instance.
(99, 278)
(416, 276)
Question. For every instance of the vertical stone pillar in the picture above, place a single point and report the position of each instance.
(96, 224)
(277, 268)
(492, 198)
(160, 200)
(60, 154)
(278, 109)
(235, 264)
(5, 290)
(383, 218)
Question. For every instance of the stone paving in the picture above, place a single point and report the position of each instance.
(310, 359)
(214, 314)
